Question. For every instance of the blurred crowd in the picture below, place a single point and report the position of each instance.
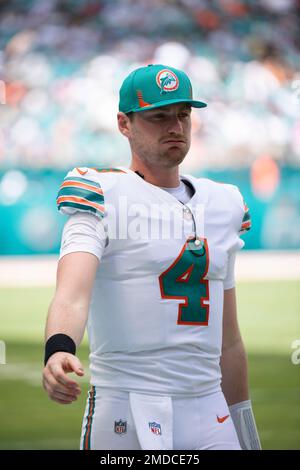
(62, 63)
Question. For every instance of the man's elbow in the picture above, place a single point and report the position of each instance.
(234, 345)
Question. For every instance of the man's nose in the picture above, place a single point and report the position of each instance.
(175, 126)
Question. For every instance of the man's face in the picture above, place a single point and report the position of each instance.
(161, 136)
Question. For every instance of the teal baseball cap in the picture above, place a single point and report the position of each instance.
(154, 86)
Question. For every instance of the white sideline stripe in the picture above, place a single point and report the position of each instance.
(29, 373)
(267, 265)
(27, 271)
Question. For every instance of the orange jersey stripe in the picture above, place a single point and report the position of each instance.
(82, 185)
(246, 224)
(82, 172)
(80, 200)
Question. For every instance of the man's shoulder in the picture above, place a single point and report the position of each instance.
(230, 195)
(225, 197)
(217, 188)
(95, 173)
(98, 177)
(82, 190)
(86, 189)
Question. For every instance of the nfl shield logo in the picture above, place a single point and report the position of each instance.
(120, 427)
(155, 428)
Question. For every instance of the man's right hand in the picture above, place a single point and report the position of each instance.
(59, 386)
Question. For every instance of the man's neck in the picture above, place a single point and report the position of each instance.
(163, 177)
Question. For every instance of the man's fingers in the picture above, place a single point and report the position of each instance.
(58, 396)
(73, 364)
(54, 383)
(60, 375)
(53, 386)
(60, 401)
(59, 386)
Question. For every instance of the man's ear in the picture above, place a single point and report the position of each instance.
(124, 124)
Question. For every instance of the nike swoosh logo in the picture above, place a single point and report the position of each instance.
(222, 419)
(81, 172)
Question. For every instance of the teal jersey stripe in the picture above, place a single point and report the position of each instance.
(245, 229)
(109, 169)
(82, 180)
(81, 207)
(246, 216)
(80, 192)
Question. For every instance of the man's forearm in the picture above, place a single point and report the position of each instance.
(234, 367)
(236, 391)
(66, 318)
(68, 311)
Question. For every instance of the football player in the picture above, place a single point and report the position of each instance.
(147, 263)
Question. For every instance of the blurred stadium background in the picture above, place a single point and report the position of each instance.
(61, 66)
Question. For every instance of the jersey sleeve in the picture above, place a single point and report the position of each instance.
(241, 224)
(229, 281)
(81, 192)
(240, 211)
(83, 231)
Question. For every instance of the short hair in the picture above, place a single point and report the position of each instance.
(130, 115)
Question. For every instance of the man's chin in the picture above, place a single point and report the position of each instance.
(173, 158)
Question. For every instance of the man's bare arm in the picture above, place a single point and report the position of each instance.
(68, 314)
(234, 368)
(234, 364)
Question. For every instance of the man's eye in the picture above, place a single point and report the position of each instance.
(165, 116)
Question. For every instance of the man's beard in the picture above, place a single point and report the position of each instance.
(172, 157)
(166, 159)
(170, 162)
(157, 156)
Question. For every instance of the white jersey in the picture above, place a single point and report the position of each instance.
(155, 320)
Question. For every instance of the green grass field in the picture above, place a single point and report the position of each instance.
(269, 320)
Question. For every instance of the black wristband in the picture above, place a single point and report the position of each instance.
(59, 342)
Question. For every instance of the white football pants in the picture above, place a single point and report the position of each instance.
(116, 420)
